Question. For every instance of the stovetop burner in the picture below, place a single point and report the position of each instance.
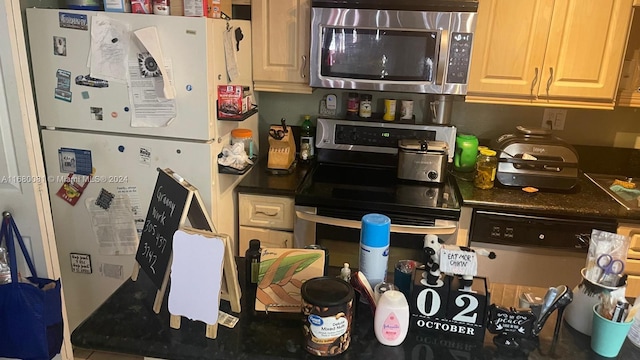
(376, 190)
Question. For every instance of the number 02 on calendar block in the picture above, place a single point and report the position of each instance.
(444, 308)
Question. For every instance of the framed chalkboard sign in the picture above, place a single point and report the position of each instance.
(174, 201)
(167, 211)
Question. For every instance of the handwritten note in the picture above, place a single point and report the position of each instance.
(456, 261)
(162, 221)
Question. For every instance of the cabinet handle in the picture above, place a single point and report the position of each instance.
(286, 241)
(304, 66)
(534, 82)
(549, 81)
(266, 213)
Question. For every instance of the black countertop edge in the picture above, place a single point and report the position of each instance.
(125, 323)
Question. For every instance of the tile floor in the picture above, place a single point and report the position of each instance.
(81, 354)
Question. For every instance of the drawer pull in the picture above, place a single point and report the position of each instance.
(266, 213)
(634, 253)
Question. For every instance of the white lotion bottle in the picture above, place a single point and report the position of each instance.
(391, 320)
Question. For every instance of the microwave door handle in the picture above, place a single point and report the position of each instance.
(442, 56)
(441, 227)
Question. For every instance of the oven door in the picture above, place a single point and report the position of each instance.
(367, 50)
(341, 237)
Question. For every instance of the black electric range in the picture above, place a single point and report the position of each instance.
(356, 174)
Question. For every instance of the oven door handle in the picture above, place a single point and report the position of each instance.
(442, 227)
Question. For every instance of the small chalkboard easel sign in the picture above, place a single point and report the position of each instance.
(174, 201)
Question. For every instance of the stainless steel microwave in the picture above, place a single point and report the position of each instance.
(399, 45)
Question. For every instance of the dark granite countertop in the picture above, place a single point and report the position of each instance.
(585, 201)
(126, 323)
(261, 180)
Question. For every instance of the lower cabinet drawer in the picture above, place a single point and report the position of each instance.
(274, 212)
(268, 238)
(632, 266)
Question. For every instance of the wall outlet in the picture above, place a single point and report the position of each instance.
(553, 119)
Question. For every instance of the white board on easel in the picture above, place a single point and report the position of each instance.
(196, 276)
(199, 271)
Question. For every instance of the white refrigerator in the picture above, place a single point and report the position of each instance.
(110, 132)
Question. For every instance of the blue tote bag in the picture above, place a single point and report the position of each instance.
(30, 313)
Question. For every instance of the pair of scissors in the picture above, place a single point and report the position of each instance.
(276, 134)
(609, 266)
(279, 134)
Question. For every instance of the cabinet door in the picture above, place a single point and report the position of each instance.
(508, 48)
(268, 238)
(281, 45)
(585, 49)
(632, 266)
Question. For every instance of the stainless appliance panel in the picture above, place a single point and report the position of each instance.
(446, 45)
(342, 134)
(341, 237)
(538, 250)
(352, 178)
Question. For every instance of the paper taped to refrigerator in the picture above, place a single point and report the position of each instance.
(151, 41)
(114, 228)
(148, 109)
(134, 200)
(109, 48)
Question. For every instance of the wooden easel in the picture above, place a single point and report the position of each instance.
(199, 219)
(201, 275)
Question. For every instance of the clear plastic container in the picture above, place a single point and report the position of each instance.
(486, 166)
(5, 270)
(634, 332)
(245, 136)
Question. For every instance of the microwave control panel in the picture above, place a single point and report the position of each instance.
(459, 55)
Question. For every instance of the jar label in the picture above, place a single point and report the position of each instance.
(327, 328)
(391, 327)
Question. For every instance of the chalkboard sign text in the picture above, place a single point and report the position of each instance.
(166, 210)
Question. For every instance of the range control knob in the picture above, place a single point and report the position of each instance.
(432, 174)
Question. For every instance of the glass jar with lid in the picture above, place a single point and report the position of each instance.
(245, 136)
(365, 106)
(486, 166)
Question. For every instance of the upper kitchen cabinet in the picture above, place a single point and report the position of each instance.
(281, 45)
(562, 53)
(630, 81)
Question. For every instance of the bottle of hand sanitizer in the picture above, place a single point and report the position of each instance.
(345, 273)
(391, 321)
